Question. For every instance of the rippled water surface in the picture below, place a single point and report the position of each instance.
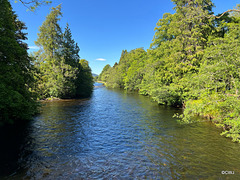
(116, 135)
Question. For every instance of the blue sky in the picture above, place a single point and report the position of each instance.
(103, 28)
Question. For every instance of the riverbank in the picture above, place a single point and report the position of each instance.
(223, 110)
(220, 109)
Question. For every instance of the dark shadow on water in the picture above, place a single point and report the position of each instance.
(12, 140)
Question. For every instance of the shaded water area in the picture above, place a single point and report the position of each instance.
(116, 135)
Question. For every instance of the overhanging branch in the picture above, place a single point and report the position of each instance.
(32, 4)
(230, 10)
(26, 2)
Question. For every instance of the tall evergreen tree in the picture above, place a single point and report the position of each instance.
(51, 64)
(70, 49)
(186, 33)
(49, 37)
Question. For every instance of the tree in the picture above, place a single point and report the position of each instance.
(51, 64)
(193, 25)
(84, 81)
(70, 49)
(49, 38)
(217, 83)
(105, 73)
(17, 103)
(59, 71)
(70, 59)
(177, 50)
(135, 71)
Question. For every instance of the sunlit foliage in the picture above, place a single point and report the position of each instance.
(193, 62)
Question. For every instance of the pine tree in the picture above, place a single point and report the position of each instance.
(70, 49)
(82, 83)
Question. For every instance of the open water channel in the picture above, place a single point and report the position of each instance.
(116, 135)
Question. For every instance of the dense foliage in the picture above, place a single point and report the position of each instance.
(193, 62)
(16, 101)
(59, 71)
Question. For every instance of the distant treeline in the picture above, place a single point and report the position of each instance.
(193, 62)
(55, 71)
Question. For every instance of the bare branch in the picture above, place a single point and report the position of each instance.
(230, 10)
(26, 2)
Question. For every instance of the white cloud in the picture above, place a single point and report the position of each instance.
(100, 59)
(33, 47)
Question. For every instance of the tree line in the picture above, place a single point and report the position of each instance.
(55, 71)
(193, 62)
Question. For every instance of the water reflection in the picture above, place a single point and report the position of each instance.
(116, 135)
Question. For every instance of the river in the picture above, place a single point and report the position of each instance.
(116, 135)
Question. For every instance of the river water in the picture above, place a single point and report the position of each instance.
(116, 135)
